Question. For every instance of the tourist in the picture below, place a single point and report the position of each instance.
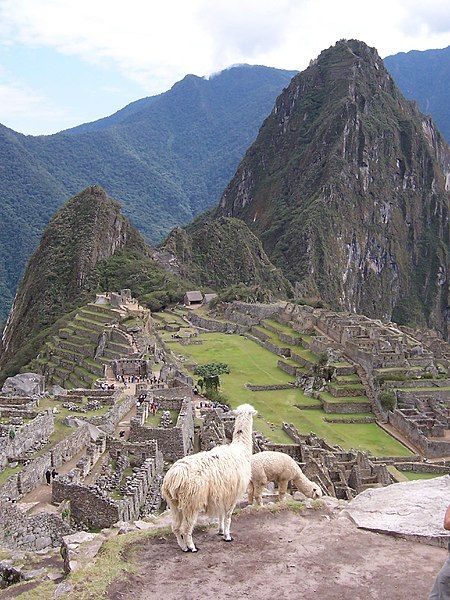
(54, 473)
(48, 476)
(122, 433)
(441, 588)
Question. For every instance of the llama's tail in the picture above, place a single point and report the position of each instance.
(176, 478)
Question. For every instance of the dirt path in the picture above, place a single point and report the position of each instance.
(43, 492)
(283, 556)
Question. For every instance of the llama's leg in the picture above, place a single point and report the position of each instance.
(257, 492)
(282, 488)
(177, 518)
(250, 492)
(227, 536)
(187, 527)
(221, 524)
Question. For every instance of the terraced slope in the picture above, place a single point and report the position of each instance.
(344, 395)
(77, 355)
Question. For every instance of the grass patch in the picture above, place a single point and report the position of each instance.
(343, 399)
(155, 420)
(8, 472)
(250, 362)
(412, 475)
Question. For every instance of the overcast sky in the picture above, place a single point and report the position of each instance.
(64, 62)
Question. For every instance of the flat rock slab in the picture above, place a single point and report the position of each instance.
(413, 509)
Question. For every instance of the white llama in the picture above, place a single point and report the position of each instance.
(279, 468)
(210, 482)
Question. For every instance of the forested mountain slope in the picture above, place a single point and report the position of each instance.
(167, 158)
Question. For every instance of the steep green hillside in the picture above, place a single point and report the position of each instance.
(425, 77)
(224, 252)
(346, 186)
(167, 158)
(87, 247)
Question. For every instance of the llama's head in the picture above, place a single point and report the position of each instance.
(316, 491)
(243, 426)
(245, 409)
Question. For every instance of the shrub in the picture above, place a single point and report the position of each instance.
(216, 396)
(388, 400)
(323, 358)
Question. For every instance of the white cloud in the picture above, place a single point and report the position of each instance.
(156, 43)
(20, 104)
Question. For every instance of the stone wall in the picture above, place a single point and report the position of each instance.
(18, 530)
(287, 368)
(115, 414)
(87, 507)
(349, 420)
(91, 507)
(27, 436)
(290, 339)
(33, 473)
(429, 448)
(268, 388)
(137, 452)
(286, 352)
(174, 393)
(174, 442)
(346, 407)
(258, 311)
(213, 325)
(421, 467)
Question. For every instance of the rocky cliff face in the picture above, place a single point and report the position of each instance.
(61, 275)
(223, 252)
(347, 185)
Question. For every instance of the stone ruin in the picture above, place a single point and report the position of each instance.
(175, 440)
(342, 474)
(339, 473)
(127, 367)
(125, 489)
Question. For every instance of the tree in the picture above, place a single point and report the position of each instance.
(388, 400)
(210, 375)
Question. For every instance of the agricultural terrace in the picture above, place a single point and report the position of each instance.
(251, 363)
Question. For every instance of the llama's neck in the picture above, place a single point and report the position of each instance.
(243, 431)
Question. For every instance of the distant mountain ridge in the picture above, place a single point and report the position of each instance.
(167, 158)
(424, 76)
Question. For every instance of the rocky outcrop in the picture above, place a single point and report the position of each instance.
(414, 509)
(26, 384)
(347, 186)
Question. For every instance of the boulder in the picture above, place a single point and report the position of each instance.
(79, 549)
(57, 390)
(34, 574)
(24, 384)
(62, 589)
(411, 509)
